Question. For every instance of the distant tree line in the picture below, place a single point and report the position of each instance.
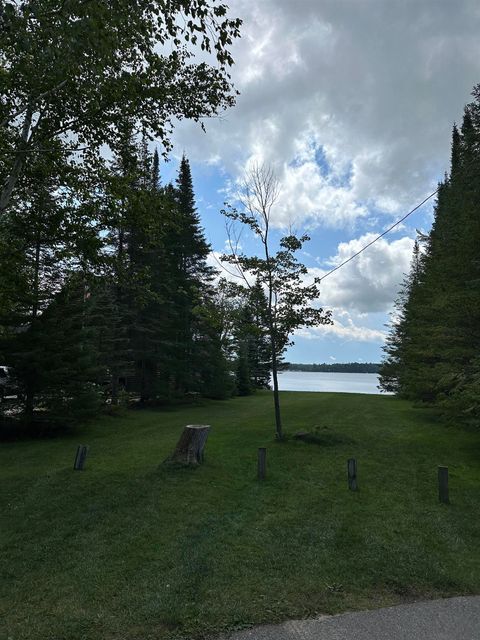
(337, 367)
(432, 352)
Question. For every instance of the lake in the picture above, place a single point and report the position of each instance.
(323, 381)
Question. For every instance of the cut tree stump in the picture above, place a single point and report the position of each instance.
(189, 449)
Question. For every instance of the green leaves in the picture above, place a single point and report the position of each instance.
(82, 66)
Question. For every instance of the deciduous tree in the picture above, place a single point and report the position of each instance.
(73, 70)
(283, 277)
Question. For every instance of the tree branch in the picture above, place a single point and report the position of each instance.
(32, 103)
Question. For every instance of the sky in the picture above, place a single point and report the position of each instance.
(352, 103)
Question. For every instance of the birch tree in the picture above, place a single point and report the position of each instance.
(71, 69)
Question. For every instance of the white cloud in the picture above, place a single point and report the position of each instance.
(376, 84)
(347, 331)
(369, 283)
(307, 195)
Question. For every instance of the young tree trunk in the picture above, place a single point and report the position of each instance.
(276, 397)
(189, 449)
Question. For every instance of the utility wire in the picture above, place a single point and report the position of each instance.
(342, 264)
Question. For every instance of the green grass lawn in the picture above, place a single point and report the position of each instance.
(128, 549)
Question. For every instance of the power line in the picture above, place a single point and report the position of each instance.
(342, 264)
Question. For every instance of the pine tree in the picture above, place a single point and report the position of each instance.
(394, 363)
(251, 343)
(242, 374)
(260, 363)
(191, 279)
(155, 176)
(210, 368)
(51, 239)
(433, 355)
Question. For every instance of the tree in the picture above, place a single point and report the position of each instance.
(51, 240)
(392, 371)
(190, 279)
(210, 365)
(55, 361)
(279, 272)
(72, 70)
(243, 374)
(251, 342)
(256, 327)
(433, 353)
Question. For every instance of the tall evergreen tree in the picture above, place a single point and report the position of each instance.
(46, 337)
(394, 363)
(433, 357)
(260, 364)
(191, 276)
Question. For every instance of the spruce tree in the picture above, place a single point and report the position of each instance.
(394, 362)
(51, 240)
(259, 346)
(191, 279)
(242, 374)
(433, 357)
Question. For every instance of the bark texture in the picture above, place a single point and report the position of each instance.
(190, 448)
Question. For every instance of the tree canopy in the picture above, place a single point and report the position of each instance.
(73, 70)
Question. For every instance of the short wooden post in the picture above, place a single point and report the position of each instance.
(80, 457)
(352, 474)
(443, 485)
(262, 463)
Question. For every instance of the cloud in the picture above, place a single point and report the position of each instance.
(374, 85)
(369, 283)
(348, 331)
(309, 196)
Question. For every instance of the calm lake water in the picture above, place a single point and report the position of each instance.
(322, 381)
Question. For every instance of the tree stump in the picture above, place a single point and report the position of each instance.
(189, 449)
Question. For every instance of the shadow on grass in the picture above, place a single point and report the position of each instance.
(324, 437)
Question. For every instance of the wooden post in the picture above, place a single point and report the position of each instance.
(190, 447)
(443, 485)
(352, 474)
(262, 463)
(80, 457)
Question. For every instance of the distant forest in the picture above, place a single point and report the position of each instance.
(337, 367)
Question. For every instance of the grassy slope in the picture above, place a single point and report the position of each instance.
(126, 550)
